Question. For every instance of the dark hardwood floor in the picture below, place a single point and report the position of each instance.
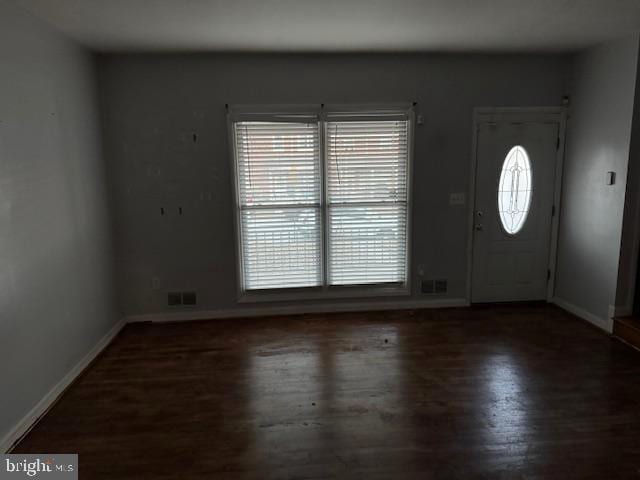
(500, 392)
(628, 329)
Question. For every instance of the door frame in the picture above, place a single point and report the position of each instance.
(523, 114)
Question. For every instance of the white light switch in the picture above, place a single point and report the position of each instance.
(458, 198)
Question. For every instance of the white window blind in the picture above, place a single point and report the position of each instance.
(278, 175)
(324, 210)
(366, 165)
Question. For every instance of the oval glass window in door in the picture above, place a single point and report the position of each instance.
(515, 189)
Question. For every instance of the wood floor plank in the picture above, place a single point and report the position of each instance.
(491, 392)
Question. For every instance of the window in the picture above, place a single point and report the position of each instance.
(367, 201)
(515, 188)
(322, 198)
(279, 196)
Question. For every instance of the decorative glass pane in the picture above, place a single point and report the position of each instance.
(514, 190)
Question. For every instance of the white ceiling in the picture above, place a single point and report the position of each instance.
(339, 25)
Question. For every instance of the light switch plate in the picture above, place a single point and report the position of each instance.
(611, 178)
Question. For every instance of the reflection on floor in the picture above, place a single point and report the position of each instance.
(523, 391)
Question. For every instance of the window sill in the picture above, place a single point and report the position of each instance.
(324, 293)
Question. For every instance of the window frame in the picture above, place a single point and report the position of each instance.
(239, 113)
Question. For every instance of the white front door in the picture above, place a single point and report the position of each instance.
(515, 184)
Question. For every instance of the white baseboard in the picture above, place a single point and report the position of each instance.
(265, 310)
(31, 419)
(605, 324)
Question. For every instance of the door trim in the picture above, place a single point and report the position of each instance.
(487, 114)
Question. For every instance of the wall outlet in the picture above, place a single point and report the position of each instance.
(155, 283)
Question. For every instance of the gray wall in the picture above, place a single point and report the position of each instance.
(599, 131)
(57, 295)
(154, 103)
